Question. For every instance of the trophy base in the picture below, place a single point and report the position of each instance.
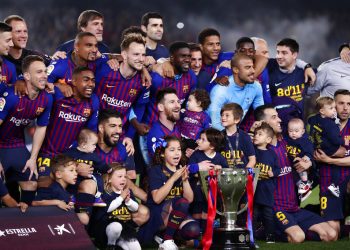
(230, 240)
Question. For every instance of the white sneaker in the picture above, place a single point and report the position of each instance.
(158, 239)
(304, 196)
(304, 187)
(168, 245)
(334, 190)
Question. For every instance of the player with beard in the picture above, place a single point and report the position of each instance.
(248, 46)
(168, 106)
(290, 220)
(332, 207)
(184, 81)
(122, 90)
(84, 55)
(242, 89)
(111, 150)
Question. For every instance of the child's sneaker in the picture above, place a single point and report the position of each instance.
(158, 239)
(304, 187)
(168, 245)
(334, 190)
(270, 238)
(99, 202)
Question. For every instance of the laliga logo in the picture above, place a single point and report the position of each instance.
(61, 229)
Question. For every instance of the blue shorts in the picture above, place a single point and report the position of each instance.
(44, 166)
(332, 207)
(13, 161)
(302, 218)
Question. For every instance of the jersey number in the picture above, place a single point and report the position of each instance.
(323, 202)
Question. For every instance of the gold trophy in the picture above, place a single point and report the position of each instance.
(232, 183)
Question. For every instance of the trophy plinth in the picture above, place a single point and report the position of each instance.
(224, 239)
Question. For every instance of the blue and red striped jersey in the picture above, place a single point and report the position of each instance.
(184, 84)
(213, 68)
(284, 196)
(158, 130)
(193, 123)
(345, 133)
(60, 71)
(116, 92)
(17, 112)
(8, 74)
(117, 154)
(68, 117)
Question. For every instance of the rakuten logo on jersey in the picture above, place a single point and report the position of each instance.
(69, 117)
(19, 122)
(115, 102)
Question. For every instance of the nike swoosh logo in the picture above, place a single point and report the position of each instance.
(19, 110)
(110, 86)
(278, 84)
(342, 76)
(65, 106)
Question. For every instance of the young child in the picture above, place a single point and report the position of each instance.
(300, 146)
(63, 171)
(266, 161)
(238, 147)
(169, 197)
(204, 158)
(325, 135)
(195, 119)
(84, 154)
(120, 228)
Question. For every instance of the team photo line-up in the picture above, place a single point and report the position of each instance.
(121, 139)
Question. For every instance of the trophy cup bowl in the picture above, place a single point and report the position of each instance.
(232, 183)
